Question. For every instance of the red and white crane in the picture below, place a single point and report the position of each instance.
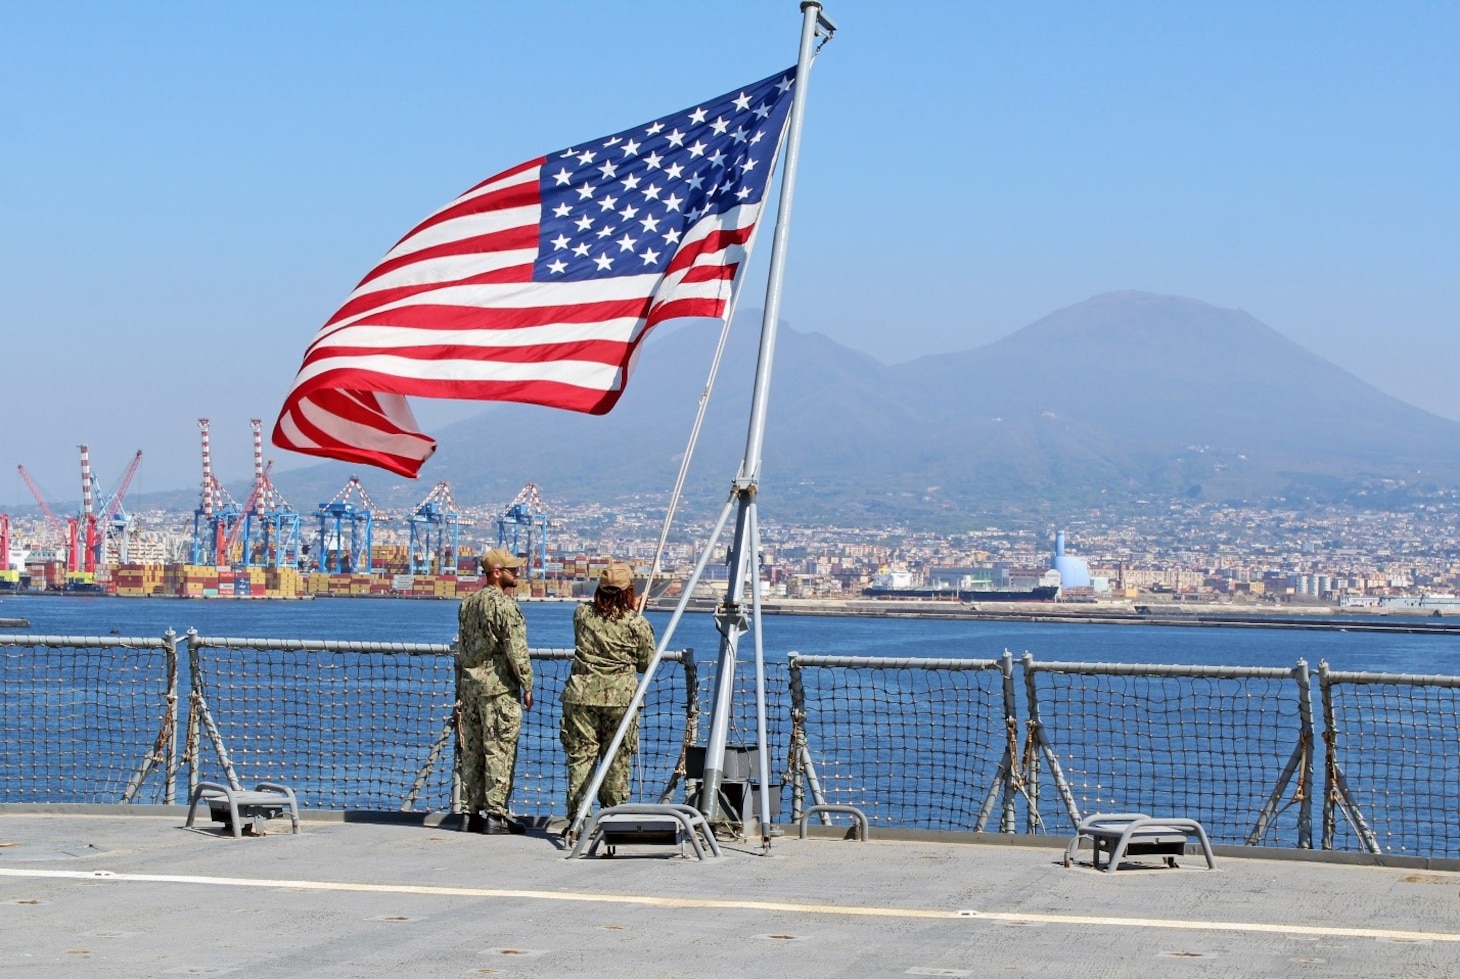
(87, 557)
(64, 533)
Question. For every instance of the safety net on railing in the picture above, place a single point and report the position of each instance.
(355, 725)
(541, 787)
(911, 742)
(1228, 746)
(916, 743)
(1392, 779)
(348, 725)
(87, 718)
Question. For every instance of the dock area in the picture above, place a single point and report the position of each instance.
(88, 890)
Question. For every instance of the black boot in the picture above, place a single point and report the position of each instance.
(476, 823)
(516, 828)
(496, 826)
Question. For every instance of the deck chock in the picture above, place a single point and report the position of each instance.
(862, 830)
(1123, 834)
(231, 805)
(646, 824)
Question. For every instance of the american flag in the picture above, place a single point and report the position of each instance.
(539, 284)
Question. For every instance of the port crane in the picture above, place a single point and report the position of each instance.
(434, 522)
(218, 514)
(524, 517)
(64, 534)
(270, 524)
(342, 516)
(116, 524)
(11, 578)
(87, 523)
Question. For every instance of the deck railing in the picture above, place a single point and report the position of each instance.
(939, 744)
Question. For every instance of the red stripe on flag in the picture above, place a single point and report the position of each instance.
(709, 273)
(610, 352)
(450, 210)
(384, 297)
(681, 308)
(550, 394)
(512, 239)
(709, 244)
(331, 447)
(429, 316)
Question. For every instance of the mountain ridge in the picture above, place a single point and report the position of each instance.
(1126, 395)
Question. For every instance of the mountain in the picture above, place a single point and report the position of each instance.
(1127, 395)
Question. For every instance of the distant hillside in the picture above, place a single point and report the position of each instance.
(1125, 395)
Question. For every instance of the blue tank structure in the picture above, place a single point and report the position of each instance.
(1074, 572)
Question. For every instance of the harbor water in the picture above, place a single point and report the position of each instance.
(550, 625)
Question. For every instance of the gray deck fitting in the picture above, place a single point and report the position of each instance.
(679, 823)
(265, 801)
(863, 833)
(1137, 834)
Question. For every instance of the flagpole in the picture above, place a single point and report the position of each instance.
(744, 557)
(745, 551)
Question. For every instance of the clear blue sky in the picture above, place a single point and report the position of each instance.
(188, 190)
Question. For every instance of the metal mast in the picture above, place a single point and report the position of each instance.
(88, 515)
(733, 618)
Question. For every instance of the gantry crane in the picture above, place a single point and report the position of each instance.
(341, 517)
(524, 517)
(218, 514)
(270, 524)
(81, 572)
(435, 533)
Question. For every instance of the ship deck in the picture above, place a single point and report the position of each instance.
(87, 890)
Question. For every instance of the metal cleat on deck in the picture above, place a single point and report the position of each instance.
(1135, 834)
(645, 824)
(231, 806)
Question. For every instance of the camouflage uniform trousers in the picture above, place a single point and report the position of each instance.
(586, 733)
(487, 730)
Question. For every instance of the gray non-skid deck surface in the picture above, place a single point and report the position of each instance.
(440, 903)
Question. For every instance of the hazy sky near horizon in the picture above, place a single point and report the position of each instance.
(187, 191)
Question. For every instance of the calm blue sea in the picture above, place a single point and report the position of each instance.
(550, 625)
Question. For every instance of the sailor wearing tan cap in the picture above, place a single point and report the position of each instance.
(495, 674)
(613, 643)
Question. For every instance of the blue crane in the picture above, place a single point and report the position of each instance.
(435, 533)
(345, 531)
(524, 517)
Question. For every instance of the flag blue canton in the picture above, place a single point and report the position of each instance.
(621, 205)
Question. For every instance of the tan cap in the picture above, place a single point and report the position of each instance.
(497, 557)
(617, 575)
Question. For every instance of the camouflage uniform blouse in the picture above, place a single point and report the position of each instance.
(610, 653)
(493, 644)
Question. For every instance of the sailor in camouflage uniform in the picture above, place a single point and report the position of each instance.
(613, 644)
(495, 674)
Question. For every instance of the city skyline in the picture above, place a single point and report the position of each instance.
(189, 191)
